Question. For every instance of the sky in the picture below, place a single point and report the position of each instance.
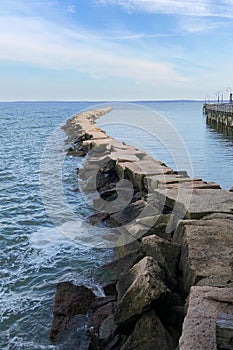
(115, 49)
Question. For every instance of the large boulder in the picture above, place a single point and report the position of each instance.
(149, 334)
(206, 253)
(166, 254)
(70, 300)
(138, 289)
(199, 327)
(196, 203)
(136, 172)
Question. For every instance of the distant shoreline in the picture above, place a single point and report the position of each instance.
(97, 101)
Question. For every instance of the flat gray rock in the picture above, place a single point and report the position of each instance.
(196, 203)
(207, 251)
(138, 288)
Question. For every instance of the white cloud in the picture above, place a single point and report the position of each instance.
(199, 24)
(41, 43)
(71, 9)
(221, 8)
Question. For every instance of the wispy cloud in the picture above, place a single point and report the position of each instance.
(220, 8)
(38, 42)
(71, 9)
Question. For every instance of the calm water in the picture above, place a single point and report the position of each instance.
(34, 254)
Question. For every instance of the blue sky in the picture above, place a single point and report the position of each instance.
(115, 49)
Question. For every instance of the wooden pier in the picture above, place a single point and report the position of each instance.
(219, 114)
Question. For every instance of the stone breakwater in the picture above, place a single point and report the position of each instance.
(172, 271)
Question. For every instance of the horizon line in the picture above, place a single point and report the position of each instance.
(136, 100)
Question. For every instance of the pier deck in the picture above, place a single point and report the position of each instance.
(219, 114)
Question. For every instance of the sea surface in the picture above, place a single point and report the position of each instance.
(35, 255)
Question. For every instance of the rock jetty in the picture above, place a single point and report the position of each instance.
(172, 269)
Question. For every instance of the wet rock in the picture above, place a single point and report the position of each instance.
(97, 218)
(128, 214)
(70, 300)
(111, 272)
(126, 247)
(101, 327)
(113, 200)
(166, 254)
(199, 328)
(138, 289)
(206, 253)
(149, 334)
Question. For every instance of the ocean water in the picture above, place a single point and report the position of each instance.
(35, 255)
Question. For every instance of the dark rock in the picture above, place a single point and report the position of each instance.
(101, 327)
(171, 313)
(110, 289)
(70, 300)
(76, 190)
(125, 249)
(116, 343)
(97, 218)
(166, 254)
(111, 272)
(130, 213)
(101, 301)
(206, 253)
(149, 334)
(231, 189)
(109, 195)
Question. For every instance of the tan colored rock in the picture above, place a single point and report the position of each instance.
(124, 157)
(154, 181)
(83, 122)
(166, 254)
(138, 288)
(137, 171)
(207, 251)
(100, 145)
(199, 327)
(149, 334)
(95, 133)
(196, 203)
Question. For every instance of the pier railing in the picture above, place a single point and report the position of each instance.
(218, 107)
